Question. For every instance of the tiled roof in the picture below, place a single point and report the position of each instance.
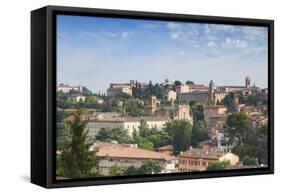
(167, 147)
(201, 153)
(126, 151)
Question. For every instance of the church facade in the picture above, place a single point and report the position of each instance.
(203, 94)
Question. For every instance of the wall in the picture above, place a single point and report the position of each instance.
(15, 82)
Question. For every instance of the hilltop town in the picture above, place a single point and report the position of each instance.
(169, 127)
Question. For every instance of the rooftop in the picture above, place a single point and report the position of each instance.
(116, 150)
(166, 147)
(201, 153)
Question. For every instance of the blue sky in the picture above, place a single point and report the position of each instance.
(95, 51)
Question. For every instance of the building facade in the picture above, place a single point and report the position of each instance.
(66, 89)
(199, 159)
(125, 156)
(111, 121)
(215, 115)
(116, 89)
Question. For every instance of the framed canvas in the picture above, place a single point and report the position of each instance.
(126, 96)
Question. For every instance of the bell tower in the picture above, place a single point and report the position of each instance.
(248, 82)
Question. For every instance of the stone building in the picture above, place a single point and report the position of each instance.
(77, 98)
(125, 156)
(66, 88)
(202, 94)
(115, 89)
(180, 111)
(115, 120)
(199, 159)
(215, 115)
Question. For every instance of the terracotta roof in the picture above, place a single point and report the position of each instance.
(215, 106)
(129, 119)
(126, 151)
(201, 153)
(76, 95)
(167, 147)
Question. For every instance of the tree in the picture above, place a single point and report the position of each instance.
(116, 134)
(131, 171)
(238, 128)
(181, 132)
(197, 112)
(228, 102)
(104, 134)
(199, 132)
(252, 100)
(177, 83)
(144, 143)
(247, 160)
(116, 171)
(218, 165)
(149, 167)
(189, 82)
(86, 91)
(78, 159)
(144, 130)
(63, 135)
(134, 109)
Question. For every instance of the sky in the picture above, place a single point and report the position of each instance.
(97, 51)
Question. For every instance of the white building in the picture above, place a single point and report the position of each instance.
(77, 98)
(170, 95)
(114, 120)
(65, 88)
(125, 156)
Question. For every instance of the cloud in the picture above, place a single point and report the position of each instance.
(174, 26)
(182, 53)
(176, 35)
(211, 44)
(125, 34)
(235, 43)
(110, 34)
(151, 26)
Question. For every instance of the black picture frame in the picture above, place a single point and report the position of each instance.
(43, 95)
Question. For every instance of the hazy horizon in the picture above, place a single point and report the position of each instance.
(95, 52)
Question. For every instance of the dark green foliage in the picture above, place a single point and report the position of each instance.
(116, 134)
(131, 171)
(181, 132)
(149, 167)
(228, 102)
(252, 100)
(238, 128)
(218, 165)
(199, 132)
(197, 112)
(63, 135)
(78, 159)
(116, 171)
(247, 141)
(189, 82)
(86, 91)
(247, 160)
(133, 108)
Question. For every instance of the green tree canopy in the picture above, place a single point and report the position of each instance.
(189, 82)
(181, 132)
(149, 167)
(78, 159)
(247, 160)
(238, 128)
(218, 165)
